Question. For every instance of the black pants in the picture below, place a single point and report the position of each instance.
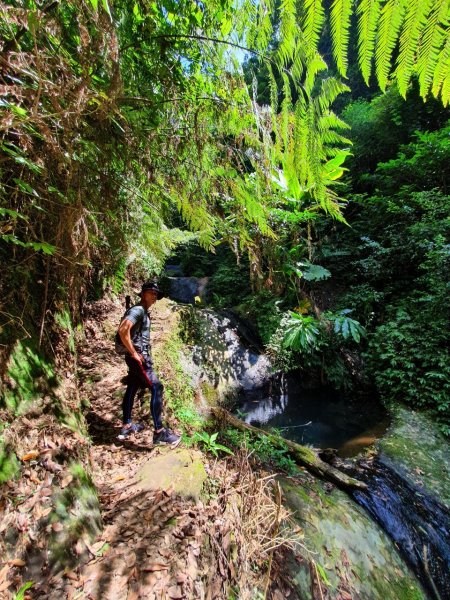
(141, 375)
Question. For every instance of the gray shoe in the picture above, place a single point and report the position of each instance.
(166, 437)
(127, 431)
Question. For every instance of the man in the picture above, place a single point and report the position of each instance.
(134, 332)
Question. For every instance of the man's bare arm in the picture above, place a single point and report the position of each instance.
(124, 332)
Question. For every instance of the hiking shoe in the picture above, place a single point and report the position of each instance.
(127, 431)
(167, 437)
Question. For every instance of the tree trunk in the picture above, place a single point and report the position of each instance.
(302, 455)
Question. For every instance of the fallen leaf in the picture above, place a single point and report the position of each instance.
(30, 455)
(175, 592)
(65, 482)
(5, 585)
(57, 527)
(155, 567)
(17, 562)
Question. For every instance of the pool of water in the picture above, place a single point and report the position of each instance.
(322, 418)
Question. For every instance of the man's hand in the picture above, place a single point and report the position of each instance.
(137, 357)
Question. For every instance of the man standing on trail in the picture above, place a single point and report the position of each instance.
(134, 333)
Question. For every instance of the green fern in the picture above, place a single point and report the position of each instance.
(415, 21)
(368, 12)
(341, 12)
(442, 72)
(390, 23)
(313, 20)
(432, 42)
(288, 33)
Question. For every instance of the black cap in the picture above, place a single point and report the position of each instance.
(151, 285)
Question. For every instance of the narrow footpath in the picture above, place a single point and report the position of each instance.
(159, 539)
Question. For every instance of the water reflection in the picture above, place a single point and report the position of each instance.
(321, 417)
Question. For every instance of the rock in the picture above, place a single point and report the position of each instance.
(180, 469)
(348, 546)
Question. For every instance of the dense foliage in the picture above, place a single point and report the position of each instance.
(124, 124)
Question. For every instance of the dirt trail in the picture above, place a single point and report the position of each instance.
(150, 546)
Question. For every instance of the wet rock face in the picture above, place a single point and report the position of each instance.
(233, 365)
(185, 289)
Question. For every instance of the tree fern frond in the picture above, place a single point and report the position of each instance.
(442, 68)
(431, 43)
(329, 91)
(315, 65)
(288, 30)
(298, 66)
(286, 108)
(341, 11)
(312, 23)
(368, 12)
(264, 25)
(391, 20)
(414, 24)
(331, 120)
(445, 92)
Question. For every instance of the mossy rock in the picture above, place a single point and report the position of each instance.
(180, 469)
(416, 449)
(351, 552)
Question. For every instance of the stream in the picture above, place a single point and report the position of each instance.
(418, 523)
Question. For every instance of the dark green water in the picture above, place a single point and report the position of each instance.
(322, 418)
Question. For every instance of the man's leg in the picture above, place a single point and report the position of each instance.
(156, 400)
(128, 401)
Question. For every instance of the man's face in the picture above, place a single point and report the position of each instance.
(149, 297)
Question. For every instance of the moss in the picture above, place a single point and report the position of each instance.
(181, 469)
(210, 393)
(30, 376)
(352, 550)
(9, 464)
(414, 447)
(178, 392)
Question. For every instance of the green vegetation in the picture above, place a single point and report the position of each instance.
(178, 391)
(209, 443)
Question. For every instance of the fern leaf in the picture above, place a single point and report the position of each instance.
(431, 43)
(314, 65)
(391, 20)
(288, 30)
(445, 92)
(330, 90)
(414, 24)
(368, 12)
(341, 11)
(442, 68)
(314, 16)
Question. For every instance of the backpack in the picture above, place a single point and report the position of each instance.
(118, 344)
